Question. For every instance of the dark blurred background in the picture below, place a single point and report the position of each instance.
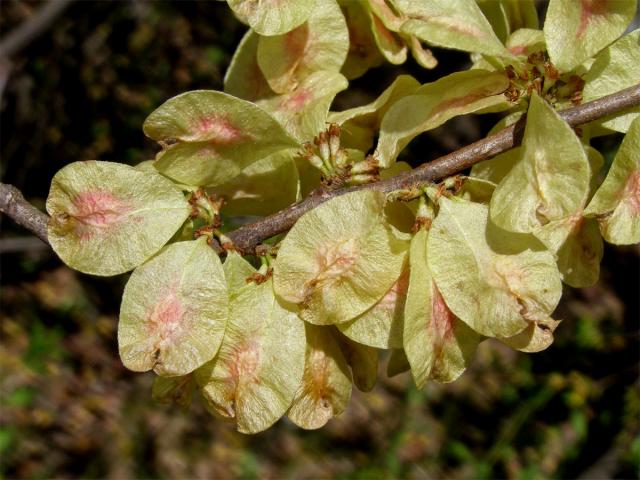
(81, 90)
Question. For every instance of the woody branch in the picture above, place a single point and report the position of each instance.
(247, 237)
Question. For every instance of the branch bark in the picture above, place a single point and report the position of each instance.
(247, 237)
(13, 204)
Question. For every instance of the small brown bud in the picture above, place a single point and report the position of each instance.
(551, 71)
(259, 278)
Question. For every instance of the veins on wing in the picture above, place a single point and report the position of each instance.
(333, 262)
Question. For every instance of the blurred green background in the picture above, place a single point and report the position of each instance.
(69, 409)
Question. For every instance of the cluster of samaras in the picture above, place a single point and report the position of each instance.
(426, 274)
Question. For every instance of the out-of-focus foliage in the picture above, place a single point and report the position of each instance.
(69, 408)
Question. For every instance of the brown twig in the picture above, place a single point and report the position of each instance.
(13, 204)
(247, 237)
